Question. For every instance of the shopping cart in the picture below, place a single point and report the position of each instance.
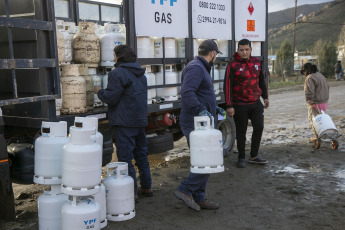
(326, 130)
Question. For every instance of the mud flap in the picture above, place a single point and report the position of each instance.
(7, 211)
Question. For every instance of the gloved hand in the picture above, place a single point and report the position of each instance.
(205, 113)
(220, 111)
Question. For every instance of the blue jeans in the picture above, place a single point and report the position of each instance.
(131, 143)
(195, 184)
(337, 76)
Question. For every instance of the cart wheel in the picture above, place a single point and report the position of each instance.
(317, 143)
(335, 144)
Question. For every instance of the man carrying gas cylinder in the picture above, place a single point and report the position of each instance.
(198, 99)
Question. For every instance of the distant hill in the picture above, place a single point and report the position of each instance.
(324, 23)
(281, 18)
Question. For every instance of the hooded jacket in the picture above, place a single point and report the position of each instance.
(316, 89)
(197, 91)
(244, 82)
(126, 95)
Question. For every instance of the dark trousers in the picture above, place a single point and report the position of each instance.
(195, 184)
(131, 143)
(254, 112)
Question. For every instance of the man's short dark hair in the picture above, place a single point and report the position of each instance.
(125, 54)
(244, 42)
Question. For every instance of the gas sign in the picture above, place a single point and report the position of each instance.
(250, 20)
(161, 18)
(212, 19)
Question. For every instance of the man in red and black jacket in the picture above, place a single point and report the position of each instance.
(244, 83)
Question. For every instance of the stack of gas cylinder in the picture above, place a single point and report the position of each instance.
(48, 159)
(72, 165)
(88, 46)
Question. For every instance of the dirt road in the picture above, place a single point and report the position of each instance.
(300, 188)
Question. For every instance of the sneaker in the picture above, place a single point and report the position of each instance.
(146, 192)
(257, 160)
(206, 204)
(188, 200)
(241, 163)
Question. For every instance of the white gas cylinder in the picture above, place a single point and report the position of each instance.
(145, 47)
(101, 200)
(96, 80)
(181, 47)
(60, 40)
(49, 208)
(215, 75)
(170, 48)
(68, 33)
(105, 81)
(180, 79)
(81, 163)
(109, 41)
(158, 45)
(256, 49)
(223, 46)
(100, 31)
(323, 124)
(48, 152)
(119, 192)
(171, 77)
(222, 70)
(123, 29)
(151, 81)
(90, 123)
(80, 213)
(206, 147)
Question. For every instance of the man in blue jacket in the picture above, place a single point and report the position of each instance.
(198, 99)
(126, 96)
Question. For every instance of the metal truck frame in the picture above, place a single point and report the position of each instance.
(29, 70)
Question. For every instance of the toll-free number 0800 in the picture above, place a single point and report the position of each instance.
(213, 6)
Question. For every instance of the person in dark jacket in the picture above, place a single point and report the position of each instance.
(244, 83)
(198, 99)
(126, 96)
(337, 70)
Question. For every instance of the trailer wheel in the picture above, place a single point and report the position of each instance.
(228, 129)
(160, 143)
(335, 144)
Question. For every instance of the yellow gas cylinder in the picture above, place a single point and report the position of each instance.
(86, 44)
(73, 90)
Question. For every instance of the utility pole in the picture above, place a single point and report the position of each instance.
(294, 30)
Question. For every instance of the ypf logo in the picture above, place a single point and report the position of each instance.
(162, 2)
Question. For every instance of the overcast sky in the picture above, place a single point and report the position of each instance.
(276, 5)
